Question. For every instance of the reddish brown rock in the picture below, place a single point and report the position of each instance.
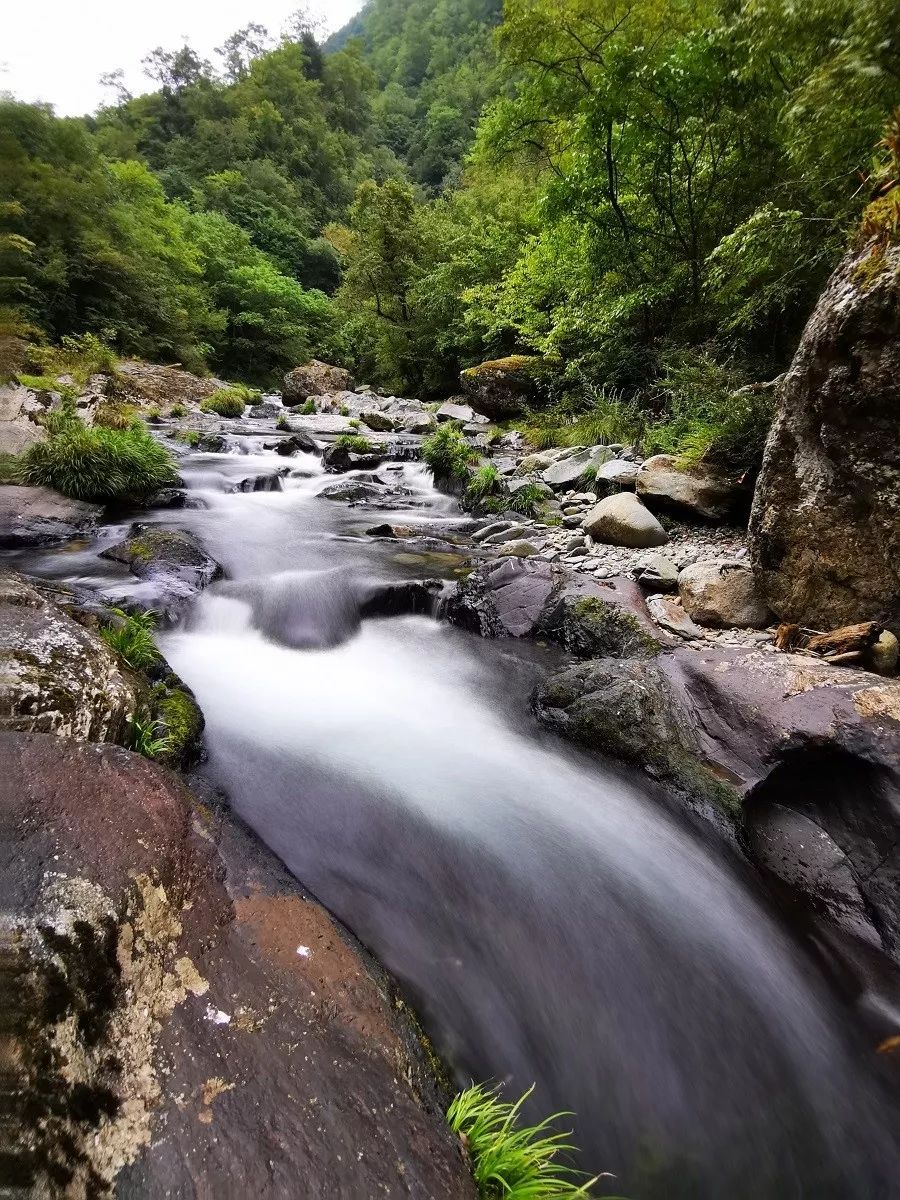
(185, 1021)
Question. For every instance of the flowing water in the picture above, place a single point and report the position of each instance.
(550, 919)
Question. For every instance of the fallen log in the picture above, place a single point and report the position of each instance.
(849, 639)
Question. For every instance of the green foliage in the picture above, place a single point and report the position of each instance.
(177, 410)
(190, 437)
(282, 423)
(356, 443)
(131, 636)
(482, 483)
(146, 736)
(9, 468)
(309, 408)
(448, 454)
(511, 1161)
(527, 500)
(113, 414)
(229, 402)
(80, 356)
(97, 463)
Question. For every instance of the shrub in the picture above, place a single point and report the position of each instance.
(131, 636)
(112, 414)
(229, 402)
(483, 483)
(309, 408)
(80, 356)
(355, 422)
(282, 423)
(509, 1161)
(448, 454)
(345, 411)
(96, 463)
(190, 437)
(527, 500)
(177, 410)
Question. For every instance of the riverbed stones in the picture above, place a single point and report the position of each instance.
(38, 516)
(566, 472)
(314, 378)
(722, 593)
(59, 677)
(298, 442)
(656, 573)
(463, 413)
(623, 520)
(188, 1041)
(664, 484)
(825, 532)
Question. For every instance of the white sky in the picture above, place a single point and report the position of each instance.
(56, 50)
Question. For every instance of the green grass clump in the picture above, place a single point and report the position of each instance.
(48, 383)
(177, 410)
(448, 454)
(509, 1161)
(482, 483)
(357, 443)
(113, 414)
(96, 463)
(145, 737)
(282, 423)
(229, 402)
(355, 422)
(131, 636)
(309, 408)
(345, 411)
(527, 500)
(190, 437)
(9, 468)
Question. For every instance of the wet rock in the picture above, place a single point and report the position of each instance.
(505, 598)
(509, 533)
(663, 484)
(172, 560)
(297, 443)
(597, 625)
(314, 378)
(213, 443)
(38, 516)
(723, 594)
(342, 458)
(624, 521)
(168, 970)
(390, 531)
(267, 481)
(657, 573)
(59, 677)
(502, 387)
(825, 538)
(265, 411)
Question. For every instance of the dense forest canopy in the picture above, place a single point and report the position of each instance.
(649, 194)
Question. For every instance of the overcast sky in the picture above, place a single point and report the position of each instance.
(56, 50)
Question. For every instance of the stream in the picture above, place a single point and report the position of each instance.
(550, 919)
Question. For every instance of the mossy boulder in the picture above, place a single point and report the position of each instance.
(172, 560)
(181, 722)
(502, 387)
(592, 627)
(314, 379)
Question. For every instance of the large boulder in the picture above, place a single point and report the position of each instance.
(506, 598)
(502, 387)
(36, 516)
(185, 1020)
(662, 483)
(161, 387)
(59, 677)
(825, 531)
(314, 379)
(622, 520)
(18, 430)
(566, 472)
(722, 593)
(171, 561)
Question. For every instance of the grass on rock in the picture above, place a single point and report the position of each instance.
(229, 402)
(131, 636)
(511, 1161)
(448, 454)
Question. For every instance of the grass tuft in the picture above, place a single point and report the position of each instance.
(145, 738)
(527, 500)
(483, 483)
(131, 636)
(448, 454)
(229, 402)
(509, 1161)
(96, 463)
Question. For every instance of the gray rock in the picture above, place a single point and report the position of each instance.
(521, 549)
(464, 413)
(567, 471)
(616, 475)
(487, 531)
(663, 484)
(825, 531)
(58, 677)
(314, 379)
(266, 411)
(623, 521)
(506, 599)
(378, 421)
(297, 443)
(722, 593)
(36, 516)
(419, 423)
(17, 430)
(501, 388)
(510, 534)
(171, 560)
(657, 574)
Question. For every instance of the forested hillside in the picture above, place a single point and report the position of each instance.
(648, 195)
